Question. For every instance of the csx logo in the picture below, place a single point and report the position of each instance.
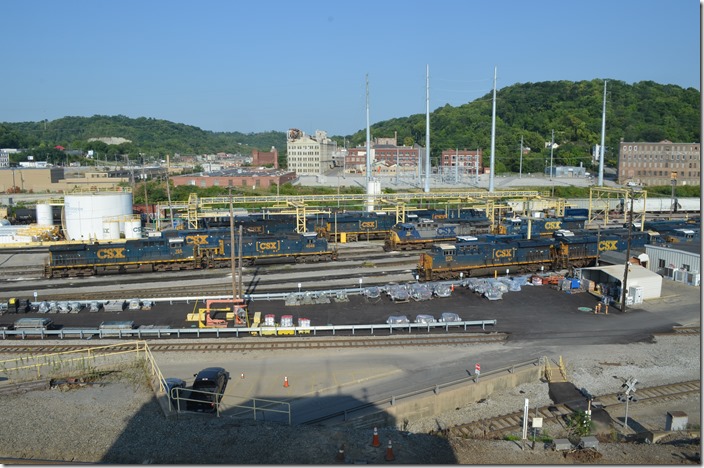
(439, 216)
(554, 225)
(267, 246)
(607, 245)
(503, 253)
(367, 224)
(446, 231)
(111, 253)
(200, 239)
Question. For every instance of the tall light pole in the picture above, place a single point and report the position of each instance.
(493, 137)
(552, 145)
(427, 129)
(369, 162)
(520, 164)
(600, 181)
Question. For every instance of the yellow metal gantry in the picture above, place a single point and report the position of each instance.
(601, 202)
(302, 205)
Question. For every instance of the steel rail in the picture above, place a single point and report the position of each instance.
(273, 343)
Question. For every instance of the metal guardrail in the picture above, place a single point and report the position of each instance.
(261, 405)
(393, 399)
(141, 333)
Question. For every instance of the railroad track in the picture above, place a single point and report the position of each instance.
(497, 427)
(270, 344)
(683, 330)
(366, 260)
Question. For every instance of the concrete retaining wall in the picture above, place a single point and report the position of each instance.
(448, 399)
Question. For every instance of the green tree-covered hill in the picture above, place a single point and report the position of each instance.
(644, 111)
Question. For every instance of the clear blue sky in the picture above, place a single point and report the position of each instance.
(228, 65)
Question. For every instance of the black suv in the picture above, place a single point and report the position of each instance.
(212, 381)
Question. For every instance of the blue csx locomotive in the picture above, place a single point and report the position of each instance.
(184, 250)
(350, 226)
(420, 234)
(484, 255)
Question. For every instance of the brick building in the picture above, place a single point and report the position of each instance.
(386, 151)
(263, 158)
(466, 160)
(648, 163)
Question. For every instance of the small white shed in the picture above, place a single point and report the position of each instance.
(650, 282)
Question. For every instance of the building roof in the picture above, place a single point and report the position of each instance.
(617, 271)
(686, 247)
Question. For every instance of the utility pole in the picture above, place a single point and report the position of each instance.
(146, 200)
(168, 191)
(239, 267)
(624, 286)
(232, 247)
(673, 183)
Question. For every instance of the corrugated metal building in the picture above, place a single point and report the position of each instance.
(609, 278)
(679, 262)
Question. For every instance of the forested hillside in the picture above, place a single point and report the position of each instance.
(644, 111)
(149, 136)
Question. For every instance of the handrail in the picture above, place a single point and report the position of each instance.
(140, 333)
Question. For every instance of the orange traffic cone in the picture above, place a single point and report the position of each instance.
(389, 453)
(375, 439)
(285, 381)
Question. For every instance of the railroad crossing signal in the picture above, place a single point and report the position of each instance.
(629, 386)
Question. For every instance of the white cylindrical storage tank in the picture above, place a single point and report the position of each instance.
(45, 214)
(85, 213)
(111, 229)
(133, 228)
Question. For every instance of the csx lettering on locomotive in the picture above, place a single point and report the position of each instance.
(111, 253)
(503, 253)
(552, 225)
(197, 239)
(446, 231)
(607, 245)
(273, 246)
(367, 225)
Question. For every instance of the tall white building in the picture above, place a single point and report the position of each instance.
(306, 154)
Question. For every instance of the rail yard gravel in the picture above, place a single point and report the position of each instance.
(117, 420)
